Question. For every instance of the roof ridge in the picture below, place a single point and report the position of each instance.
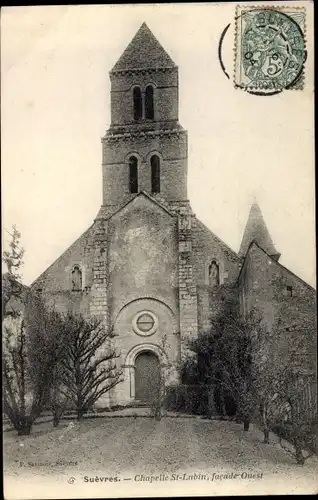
(217, 237)
(254, 242)
(147, 195)
(61, 255)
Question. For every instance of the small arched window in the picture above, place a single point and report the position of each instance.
(76, 279)
(214, 274)
(133, 174)
(149, 108)
(137, 103)
(155, 174)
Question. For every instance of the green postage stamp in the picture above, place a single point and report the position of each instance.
(270, 49)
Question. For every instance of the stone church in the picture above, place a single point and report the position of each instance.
(147, 265)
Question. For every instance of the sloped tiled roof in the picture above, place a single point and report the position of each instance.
(256, 230)
(229, 251)
(254, 244)
(143, 52)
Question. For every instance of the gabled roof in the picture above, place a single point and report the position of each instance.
(39, 278)
(256, 230)
(215, 237)
(143, 52)
(145, 195)
(255, 244)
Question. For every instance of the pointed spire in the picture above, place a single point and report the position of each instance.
(143, 52)
(256, 230)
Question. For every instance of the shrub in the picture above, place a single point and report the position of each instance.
(187, 399)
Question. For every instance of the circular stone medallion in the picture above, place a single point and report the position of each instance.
(145, 323)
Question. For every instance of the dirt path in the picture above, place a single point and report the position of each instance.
(130, 448)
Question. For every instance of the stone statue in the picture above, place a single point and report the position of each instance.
(214, 274)
(76, 279)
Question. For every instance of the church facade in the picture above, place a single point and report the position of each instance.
(147, 266)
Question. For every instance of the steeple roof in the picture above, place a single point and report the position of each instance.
(143, 52)
(256, 230)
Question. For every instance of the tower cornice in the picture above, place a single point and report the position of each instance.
(109, 137)
(142, 71)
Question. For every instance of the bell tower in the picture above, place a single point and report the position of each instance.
(145, 148)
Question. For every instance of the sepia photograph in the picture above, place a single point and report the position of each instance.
(159, 328)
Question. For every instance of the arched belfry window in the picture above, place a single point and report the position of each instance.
(76, 279)
(137, 103)
(155, 174)
(133, 174)
(149, 108)
(214, 273)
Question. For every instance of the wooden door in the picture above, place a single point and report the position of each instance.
(147, 377)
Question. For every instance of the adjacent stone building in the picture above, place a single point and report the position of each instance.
(147, 265)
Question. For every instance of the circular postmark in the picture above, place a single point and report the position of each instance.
(272, 50)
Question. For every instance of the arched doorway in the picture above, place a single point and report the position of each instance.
(147, 377)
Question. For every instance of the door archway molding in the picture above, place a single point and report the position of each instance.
(129, 365)
(137, 349)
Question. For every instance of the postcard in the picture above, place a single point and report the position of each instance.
(159, 319)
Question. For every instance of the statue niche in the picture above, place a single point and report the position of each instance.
(76, 279)
(214, 274)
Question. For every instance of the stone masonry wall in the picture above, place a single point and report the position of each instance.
(165, 83)
(143, 255)
(288, 304)
(171, 148)
(187, 287)
(207, 247)
(99, 289)
(99, 293)
(55, 282)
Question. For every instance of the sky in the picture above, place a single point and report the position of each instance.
(55, 108)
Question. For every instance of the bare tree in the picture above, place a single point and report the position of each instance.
(88, 371)
(31, 344)
(15, 379)
(158, 385)
(298, 419)
(14, 353)
(266, 372)
(12, 288)
(283, 357)
(58, 399)
(30, 352)
(46, 333)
